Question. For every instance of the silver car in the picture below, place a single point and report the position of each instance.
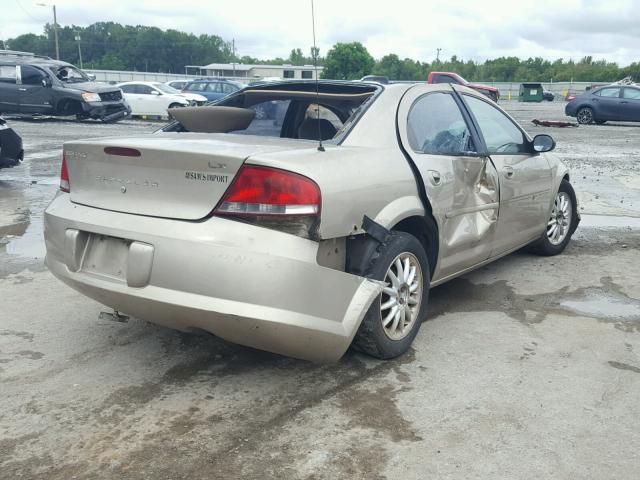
(320, 227)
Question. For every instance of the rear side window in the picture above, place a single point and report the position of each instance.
(608, 92)
(7, 73)
(436, 125)
(229, 88)
(214, 87)
(631, 93)
(500, 134)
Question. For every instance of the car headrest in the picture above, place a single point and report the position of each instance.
(310, 128)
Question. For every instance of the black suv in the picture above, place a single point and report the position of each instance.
(31, 84)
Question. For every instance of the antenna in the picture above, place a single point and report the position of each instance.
(315, 69)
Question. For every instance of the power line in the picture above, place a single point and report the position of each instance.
(27, 13)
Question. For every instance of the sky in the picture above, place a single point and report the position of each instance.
(476, 30)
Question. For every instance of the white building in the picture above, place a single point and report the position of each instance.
(258, 71)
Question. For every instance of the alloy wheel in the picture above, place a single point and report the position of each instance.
(400, 300)
(560, 220)
(585, 116)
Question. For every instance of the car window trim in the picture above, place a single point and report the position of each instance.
(479, 150)
(524, 134)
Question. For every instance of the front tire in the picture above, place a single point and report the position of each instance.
(173, 105)
(585, 116)
(562, 222)
(394, 318)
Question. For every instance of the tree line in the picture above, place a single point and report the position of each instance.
(112, 46)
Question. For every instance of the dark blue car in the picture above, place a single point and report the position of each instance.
(212, 89)
(614, 102)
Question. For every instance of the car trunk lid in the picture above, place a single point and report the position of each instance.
(171, 175)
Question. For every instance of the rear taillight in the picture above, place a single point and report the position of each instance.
(273, 198)
(65, 186)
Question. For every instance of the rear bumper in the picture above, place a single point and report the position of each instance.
(246, 284)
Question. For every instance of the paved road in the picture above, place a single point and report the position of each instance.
(527, 368)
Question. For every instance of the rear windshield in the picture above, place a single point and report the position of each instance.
(295, 111)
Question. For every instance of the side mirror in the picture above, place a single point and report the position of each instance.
(543, 143)
(46, 82)
(92, 77)
(155, 92)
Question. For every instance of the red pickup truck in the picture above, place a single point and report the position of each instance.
(450, 77)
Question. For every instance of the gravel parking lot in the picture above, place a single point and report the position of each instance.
(526, 368)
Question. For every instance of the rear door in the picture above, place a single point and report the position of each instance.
(607, 104)
(34, 96)
(525, 176)
(8, 89)
(461, 183)
(630, 104)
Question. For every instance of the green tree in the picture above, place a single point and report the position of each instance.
(348, 61)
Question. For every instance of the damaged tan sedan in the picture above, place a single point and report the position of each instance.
(318, 224)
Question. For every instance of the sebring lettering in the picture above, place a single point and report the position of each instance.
(206, 177)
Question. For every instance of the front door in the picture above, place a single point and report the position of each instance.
(525, 176)
(8, 89)
(35, 97)
(461, 184)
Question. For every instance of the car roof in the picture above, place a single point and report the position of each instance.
(33, 60)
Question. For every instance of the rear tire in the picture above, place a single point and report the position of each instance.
(394, 317)
(564, 217)
(585, 116)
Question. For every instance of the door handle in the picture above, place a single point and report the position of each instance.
(22, 89)
(623, 102)
(508, 172)
(434, 177)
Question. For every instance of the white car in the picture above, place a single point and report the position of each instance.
(195, 100)
(151, 98)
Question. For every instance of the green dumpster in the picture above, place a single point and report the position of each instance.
(531, 92)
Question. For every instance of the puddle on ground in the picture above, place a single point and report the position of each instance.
(609, 221)
(606, 303)
(22, 242)
(31, 243)
(603, 306)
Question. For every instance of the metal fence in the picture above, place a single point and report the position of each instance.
(117, 76)
(508, 90)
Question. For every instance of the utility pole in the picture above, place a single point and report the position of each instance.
(79, 49)
(55, 27)
(233, 55)
(55, 32)
(438, 50)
